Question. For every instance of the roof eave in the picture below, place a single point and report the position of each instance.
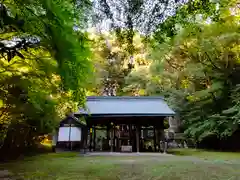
(128, 115)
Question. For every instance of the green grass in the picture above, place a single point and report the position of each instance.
(64, 166)
(208, 155)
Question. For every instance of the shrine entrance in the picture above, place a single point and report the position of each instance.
(124, 138)
(125, 124)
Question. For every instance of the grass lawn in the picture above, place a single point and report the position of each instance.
(208, 155)
(64, 166)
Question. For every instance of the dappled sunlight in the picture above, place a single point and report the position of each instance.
(172, 65)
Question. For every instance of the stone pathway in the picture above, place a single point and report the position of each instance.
(126, 154)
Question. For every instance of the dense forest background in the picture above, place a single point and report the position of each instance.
(54, 53)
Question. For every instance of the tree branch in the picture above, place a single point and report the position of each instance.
(212, 62)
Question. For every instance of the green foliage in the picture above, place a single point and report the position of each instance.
(53, 22)
(194, 11)
(199, 66)
(40, 82)
(111, 60)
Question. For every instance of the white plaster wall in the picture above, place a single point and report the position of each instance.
(63, 134)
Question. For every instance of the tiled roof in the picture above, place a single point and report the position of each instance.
(126, 105)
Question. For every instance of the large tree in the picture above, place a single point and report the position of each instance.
(52, 25)
(112, 62)
(44, 65)
(128, 17)
(198, 69)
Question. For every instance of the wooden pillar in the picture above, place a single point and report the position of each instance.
(130, 134)
(111, 141)
(108, 135)
(84, 139)
(94, 139)
(141, 130)
(158, 137)
(90, 144)
(161, 140)
(114, 139)
(154, 138)
(137, 137)
(141, 139)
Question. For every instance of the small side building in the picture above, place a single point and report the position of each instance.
(69, 135)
